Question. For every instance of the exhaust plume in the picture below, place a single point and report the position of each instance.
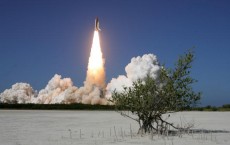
(96, 71)
(94, 86)
(62, 90)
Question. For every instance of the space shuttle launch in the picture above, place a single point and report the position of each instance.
(97, 25)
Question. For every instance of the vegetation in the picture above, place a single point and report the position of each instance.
(149, 99)
(225, 107)
(57, 106)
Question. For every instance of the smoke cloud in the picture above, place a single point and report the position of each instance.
(55, 91)
(18, 93)
(138, 68)
(62, 90)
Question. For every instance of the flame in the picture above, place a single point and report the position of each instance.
(95, 59)
(96, 71)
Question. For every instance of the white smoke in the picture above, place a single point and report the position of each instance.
(19, 93)
(118, 84)
(138, 68)
(53, 92)
(61, 90)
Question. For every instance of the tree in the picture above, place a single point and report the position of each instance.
(149, 99)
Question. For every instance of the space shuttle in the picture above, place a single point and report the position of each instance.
(97, 25)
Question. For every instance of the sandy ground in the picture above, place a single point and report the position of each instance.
(33, 127)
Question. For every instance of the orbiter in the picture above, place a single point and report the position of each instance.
(97, 24)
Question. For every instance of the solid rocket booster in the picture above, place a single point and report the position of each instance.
(97, 24)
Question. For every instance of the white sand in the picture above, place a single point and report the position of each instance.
(32, 127)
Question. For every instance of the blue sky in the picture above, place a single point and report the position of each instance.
(39, 38)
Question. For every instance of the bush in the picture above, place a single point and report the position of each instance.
(148, 99)
(226, 106)
(208, 107)
(214, 108)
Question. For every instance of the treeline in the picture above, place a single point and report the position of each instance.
(225, 107)
(78, 106)
(75, 106)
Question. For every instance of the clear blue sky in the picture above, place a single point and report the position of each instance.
(39, 38)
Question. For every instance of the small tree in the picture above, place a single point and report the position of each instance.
(150, 98)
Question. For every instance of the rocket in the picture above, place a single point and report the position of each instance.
(97, 25)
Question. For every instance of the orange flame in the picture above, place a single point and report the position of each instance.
(96, 71)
